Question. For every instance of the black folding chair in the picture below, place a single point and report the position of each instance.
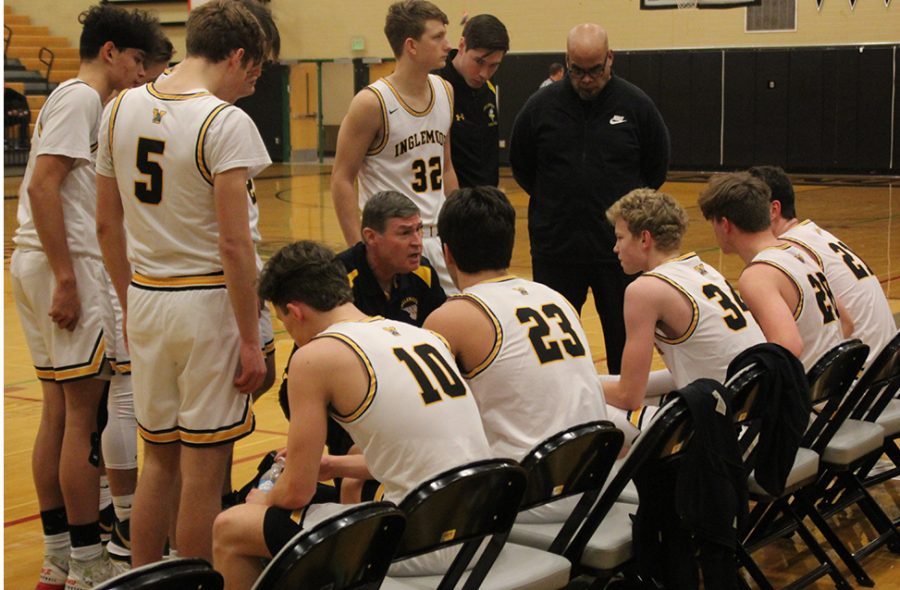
(749, 393)
(465, 506)
(602, 549)
(773, 517)
(171, 574)
(351, 550)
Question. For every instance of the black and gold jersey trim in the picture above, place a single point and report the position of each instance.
(695, 311)
(151, 88)
(91, 368)
(385, 125)
(449, 92)
(214, 280)
(406, 106)
(200, 438)
(498, 331)
(373, 382)
(806, 248)
(799, 309)
(201, 139)
(113, 114)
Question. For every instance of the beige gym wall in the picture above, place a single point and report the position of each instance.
(323, 28)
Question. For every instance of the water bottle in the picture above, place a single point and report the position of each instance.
(268, 479)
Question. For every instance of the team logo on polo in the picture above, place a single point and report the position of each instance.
(491, 111)
(158, 115)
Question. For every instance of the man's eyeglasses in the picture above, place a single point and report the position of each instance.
(579, 72)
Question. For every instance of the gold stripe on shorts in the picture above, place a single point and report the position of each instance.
(210, 281)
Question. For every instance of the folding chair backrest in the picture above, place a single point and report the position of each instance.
(663, 440)
(574, 461)
(880, 381)
(172, 574)
(746, 395)
(829, 383)
(464, 506)
(351, 550)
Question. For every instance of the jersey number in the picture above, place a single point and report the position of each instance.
(448, 380)
(733, 306)
(549, 350)
(427, 175)
(824, 298)
(149, 192)
(853, 262)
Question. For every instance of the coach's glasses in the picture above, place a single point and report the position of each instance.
(595, 72)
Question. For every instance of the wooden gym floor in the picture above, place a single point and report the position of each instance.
(295, 202)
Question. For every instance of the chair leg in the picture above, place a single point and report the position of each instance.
(825, 562)
(808, 509)
(746, 560)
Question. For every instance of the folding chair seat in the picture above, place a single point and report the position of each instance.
(351, 550)
(474, 507)
(171, 574)
(603, 542)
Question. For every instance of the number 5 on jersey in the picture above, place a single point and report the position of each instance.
(149, 191)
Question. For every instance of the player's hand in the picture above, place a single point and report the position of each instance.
(281, 454)
(326, 468)
(125, 331)
(257, 496)
(251, 368)
(65, 309)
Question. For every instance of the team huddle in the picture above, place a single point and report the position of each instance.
(145, 303)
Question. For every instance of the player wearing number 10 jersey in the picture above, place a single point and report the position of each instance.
(684, 306)
(786, 292)
(392, 385)
(519, 344)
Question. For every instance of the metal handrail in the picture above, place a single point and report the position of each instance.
(47, 51)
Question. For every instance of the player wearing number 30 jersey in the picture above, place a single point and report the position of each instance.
(680, 304)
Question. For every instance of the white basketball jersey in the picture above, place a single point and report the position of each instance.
(539, 378)
(816, 313)
(410, 157)
(67, 126)
(165, 150)
(852, 282)
(721, 328)
(419, 418)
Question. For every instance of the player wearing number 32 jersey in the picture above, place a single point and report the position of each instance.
(680, 304)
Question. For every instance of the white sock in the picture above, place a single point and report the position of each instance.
(57, 544)
(87, 552)
(122, 506)
(105, 498)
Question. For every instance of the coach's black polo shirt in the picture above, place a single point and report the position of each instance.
(413, 296)
(475, 133)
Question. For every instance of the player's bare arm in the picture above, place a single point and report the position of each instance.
(771, 297)
(451, 183)
(846, 321)
(239, 263)
(466, 328)
(50, 170)
(322, 373)
(361, 129)
(644, 301)
(111, 235)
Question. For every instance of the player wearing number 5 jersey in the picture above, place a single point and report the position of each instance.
(396, 135)
(175, 157)
(392, 385)
(852, 281)
(785, 290)
(519, 344)
(679, 303)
